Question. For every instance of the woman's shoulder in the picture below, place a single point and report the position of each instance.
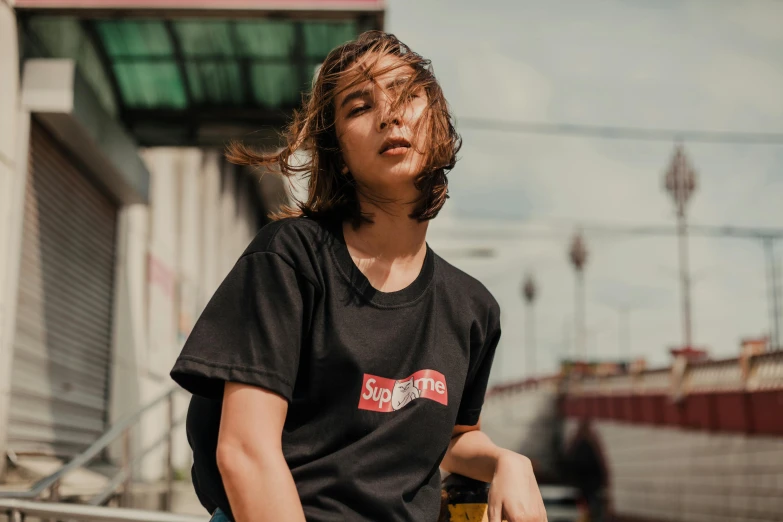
(465, 288)
(289, 237)
(298, 241)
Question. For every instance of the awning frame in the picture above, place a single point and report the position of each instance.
(198, 121)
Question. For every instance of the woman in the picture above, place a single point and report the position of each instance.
(341, 362)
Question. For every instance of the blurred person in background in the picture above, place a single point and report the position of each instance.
(587, 472)
(342, 362)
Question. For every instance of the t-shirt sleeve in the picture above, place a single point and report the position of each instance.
(250, 331)
(478, 373)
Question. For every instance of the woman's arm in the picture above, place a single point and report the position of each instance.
(250, 456)
(471, 453)
(514, 493)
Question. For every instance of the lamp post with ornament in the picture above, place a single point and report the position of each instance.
(529, 291)
(578, 256)
(680, 183)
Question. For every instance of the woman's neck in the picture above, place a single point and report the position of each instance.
(390, 251)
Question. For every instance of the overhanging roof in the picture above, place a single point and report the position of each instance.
(55, 92)
(208, 7)
(176, 79)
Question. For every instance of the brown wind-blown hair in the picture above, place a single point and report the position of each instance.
(333, 194)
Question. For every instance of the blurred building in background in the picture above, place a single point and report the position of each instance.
(701, 439)
(120, 216)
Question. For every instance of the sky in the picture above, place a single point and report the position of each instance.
(692, 64)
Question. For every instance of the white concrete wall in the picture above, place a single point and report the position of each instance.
(210, 239)
(171, 256)
(691, 476)
(12, 182)
(192, 231)
(524, 422)
(129, 360)
(176, 252)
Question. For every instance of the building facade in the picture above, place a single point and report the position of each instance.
(119, 216)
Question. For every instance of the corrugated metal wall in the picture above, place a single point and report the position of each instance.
(63, 329)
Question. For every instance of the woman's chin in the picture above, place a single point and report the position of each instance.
(402, 184)
(393, 180)
(402, 172)
(394, 186)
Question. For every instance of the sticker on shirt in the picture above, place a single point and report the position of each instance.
(382, 394)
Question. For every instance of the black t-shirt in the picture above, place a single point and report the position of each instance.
(376, 381)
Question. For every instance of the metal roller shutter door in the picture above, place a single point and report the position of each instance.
(63, 327)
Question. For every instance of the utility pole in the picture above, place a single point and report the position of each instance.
(624, 332)
(578, 256)
(767, 237)
(680, 183)
(568, 341)
(529, 291)
(772, 285)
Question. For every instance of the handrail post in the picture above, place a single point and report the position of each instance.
(170, 455)
(54, 491)
(127, 451)
(114, 433)
(15, 510)
(54, 495)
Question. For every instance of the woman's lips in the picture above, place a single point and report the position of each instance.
(395, 151)
(395, 146)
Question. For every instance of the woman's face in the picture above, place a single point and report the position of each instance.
(381, 148)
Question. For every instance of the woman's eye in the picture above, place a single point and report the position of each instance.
(358, 110)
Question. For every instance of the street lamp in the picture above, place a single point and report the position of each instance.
(529, 291)
(578, 256)
(680, 183)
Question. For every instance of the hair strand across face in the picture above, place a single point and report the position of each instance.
(312, 134)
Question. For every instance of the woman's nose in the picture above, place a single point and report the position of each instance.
(388, 117)
(389, 121)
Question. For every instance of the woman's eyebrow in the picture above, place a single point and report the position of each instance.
(398, 82)
(359, 93)
(365, 91)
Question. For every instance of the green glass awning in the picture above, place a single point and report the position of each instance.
(179, 81)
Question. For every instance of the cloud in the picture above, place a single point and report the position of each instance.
(757, 22)
(745, 91)
(493, 84)
(689, 65)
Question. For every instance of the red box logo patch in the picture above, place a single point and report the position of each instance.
(382, 394)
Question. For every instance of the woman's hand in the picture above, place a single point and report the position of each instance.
(514, 495)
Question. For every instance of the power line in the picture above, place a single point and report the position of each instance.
(558, 229)
(622, 133)
(703, 230)
(766, 235)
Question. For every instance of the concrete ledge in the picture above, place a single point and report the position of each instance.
(56, 94)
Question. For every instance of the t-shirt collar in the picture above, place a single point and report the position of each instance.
(361, 284)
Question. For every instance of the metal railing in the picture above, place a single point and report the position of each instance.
(17, 510)
(750, 373)
(123, 477)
